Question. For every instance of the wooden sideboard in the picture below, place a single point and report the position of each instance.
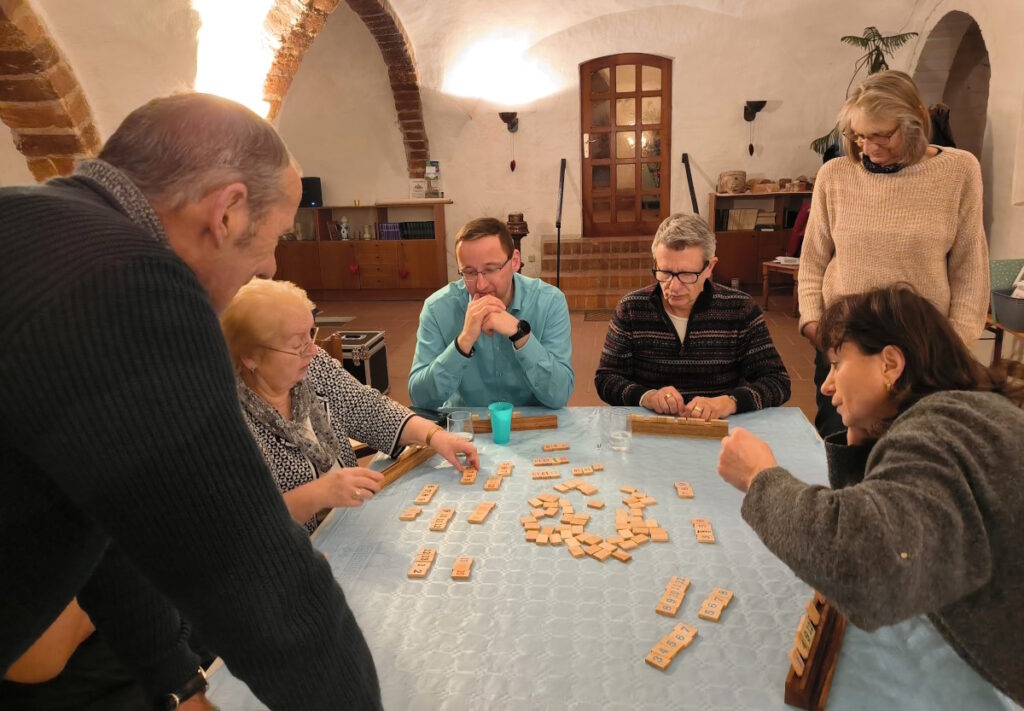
(741, 252)
(358, 269)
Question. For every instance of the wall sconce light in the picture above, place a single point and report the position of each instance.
(510, 119)
(750, 111)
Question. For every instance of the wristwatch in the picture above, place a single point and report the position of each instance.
(190, 688)
(523, 330)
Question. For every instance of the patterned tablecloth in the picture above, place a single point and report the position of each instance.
(535, 628)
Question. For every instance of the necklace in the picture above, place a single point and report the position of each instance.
(873, 167)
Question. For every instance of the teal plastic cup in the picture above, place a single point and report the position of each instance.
(501, 421)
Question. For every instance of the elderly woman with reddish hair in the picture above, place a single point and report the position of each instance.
(895, 209)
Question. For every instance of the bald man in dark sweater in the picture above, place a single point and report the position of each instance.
(130, 478)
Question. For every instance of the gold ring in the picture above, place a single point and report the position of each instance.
(359, 493)
(698, 409)
(668, 396)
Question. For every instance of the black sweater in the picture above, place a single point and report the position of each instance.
(129, 477)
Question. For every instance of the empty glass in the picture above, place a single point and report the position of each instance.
(460, 424)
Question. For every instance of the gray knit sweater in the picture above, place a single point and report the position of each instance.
(927, 521)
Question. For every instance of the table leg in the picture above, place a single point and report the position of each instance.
(766, 277)
(997, 346)
(796, 298)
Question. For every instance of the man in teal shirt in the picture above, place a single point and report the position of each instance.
(494, 335)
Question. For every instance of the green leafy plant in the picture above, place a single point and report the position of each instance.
(876, 48)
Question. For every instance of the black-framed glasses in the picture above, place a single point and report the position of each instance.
(664, 276)
(879, 139)
(469, 275)
(306, 349)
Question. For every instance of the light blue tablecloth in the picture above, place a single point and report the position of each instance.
(538, 629)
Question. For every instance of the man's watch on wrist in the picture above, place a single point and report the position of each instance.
(523, 330)
(195, 685)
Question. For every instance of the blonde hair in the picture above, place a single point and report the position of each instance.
(256, 315)
(889, 96)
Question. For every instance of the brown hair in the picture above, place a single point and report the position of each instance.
(936, 358)
(177, 149)
(486, 227)
(889, 96)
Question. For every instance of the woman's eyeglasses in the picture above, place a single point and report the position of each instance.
(879, 139)
(306, 349)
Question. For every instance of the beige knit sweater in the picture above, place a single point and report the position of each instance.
(922, 225)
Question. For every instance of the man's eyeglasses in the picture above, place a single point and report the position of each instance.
(879, 139)
(664, 276)
(469, 275)
(306, 349)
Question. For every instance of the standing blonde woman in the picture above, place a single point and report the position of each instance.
(302, 405)
(896, 209)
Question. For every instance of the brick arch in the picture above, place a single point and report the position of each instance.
(40, 98)
(298, 23)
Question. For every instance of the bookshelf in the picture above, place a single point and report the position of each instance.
(741, 252)
(405, 259)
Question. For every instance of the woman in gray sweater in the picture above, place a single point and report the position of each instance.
(926, 508)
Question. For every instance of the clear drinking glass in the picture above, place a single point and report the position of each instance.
(617, 431)
(460, 424)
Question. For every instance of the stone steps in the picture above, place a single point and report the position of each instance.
(597, 273)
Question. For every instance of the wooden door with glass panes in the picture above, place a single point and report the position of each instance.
(626, 110)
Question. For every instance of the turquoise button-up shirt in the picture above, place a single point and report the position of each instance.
(539, 373)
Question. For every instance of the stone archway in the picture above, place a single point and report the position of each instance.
(953, 68)
(40, 98)
(298, 25)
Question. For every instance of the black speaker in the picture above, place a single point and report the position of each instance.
(312, 194)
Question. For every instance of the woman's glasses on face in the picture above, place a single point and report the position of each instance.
(306, 349)
(879, 139)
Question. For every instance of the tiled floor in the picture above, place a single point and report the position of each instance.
(399, 319)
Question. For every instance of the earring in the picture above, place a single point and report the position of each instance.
(888, 386)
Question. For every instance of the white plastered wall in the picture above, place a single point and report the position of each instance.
(1000, 22)
(787, 53)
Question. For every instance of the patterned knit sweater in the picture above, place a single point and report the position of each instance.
(129, 476)
(353, 410)
(728, 351)
(921, 225)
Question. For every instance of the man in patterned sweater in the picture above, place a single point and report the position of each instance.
(687, 346)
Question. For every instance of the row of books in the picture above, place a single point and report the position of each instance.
(406, 230)
(386, 231)
(752, 219)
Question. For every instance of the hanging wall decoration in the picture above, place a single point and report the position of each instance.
(512, 123)
(749, 114)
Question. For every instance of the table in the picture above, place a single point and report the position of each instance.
(997, 344)
(792, 270)
(537, 629)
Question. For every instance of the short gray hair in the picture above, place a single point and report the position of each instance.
(176, 149)
(681, 230)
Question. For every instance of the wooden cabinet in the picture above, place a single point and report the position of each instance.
(330, 268)
(339, 268)
(740, 252)
(299, 262)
